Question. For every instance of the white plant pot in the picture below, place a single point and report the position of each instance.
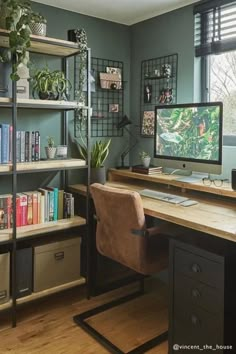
(146, 161)
(50, 152)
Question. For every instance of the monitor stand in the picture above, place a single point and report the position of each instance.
(188, 176)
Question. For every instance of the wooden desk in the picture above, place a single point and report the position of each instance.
(215, 213)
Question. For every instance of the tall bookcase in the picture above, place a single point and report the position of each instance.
(12, 238)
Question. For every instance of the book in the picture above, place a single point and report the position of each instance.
(147, 170)
(18, 146)
(10, 143)
(60, 204)
(5, 132)
(29, 196)
(36, 146)
(22, 146)
(44, 192)
(55, 202)
(23, 208)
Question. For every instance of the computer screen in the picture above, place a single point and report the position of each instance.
(189, 136)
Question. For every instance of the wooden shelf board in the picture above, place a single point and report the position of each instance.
(41, 104)
(44, 165)
(47, 292)
(37, 229)
(6, 305)
(44, 45)
(225, 190)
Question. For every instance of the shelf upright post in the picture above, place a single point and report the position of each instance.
(89, 227)
(14, 191)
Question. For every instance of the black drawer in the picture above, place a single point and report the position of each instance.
(190, 292)
(193, 325)
(197, 267)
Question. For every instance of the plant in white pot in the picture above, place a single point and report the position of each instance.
(145, 158)
(99, 153)
(50, 149)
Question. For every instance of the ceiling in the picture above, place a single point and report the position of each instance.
(127, 12)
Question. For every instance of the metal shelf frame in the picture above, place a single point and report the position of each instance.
(14, 105)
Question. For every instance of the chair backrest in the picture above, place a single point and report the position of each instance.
(120, 224)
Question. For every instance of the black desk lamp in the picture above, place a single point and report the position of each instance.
(123, 125)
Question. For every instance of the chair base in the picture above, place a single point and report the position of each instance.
(80, 320)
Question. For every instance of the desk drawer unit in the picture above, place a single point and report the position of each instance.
(56, 263)
(196, 297)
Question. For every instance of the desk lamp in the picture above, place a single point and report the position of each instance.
(123, 125)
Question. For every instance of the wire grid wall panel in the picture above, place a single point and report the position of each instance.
(107, 102)
(158, 87)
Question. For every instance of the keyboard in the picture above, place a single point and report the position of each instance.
(165, 197)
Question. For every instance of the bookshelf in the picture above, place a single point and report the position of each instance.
(12, 239)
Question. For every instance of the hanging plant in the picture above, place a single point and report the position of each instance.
(18, 17)
(81, 39)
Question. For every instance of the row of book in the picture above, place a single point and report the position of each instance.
(36, 207)
(151, 170)
(27, 145)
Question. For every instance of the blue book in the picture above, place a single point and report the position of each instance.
(5, 142)
(55, 206)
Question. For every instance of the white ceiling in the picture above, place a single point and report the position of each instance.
(126, 12)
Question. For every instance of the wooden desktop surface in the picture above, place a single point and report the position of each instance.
(214, 214)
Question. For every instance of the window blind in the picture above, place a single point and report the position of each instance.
(215, 27)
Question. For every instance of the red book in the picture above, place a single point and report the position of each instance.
(24, 208)
(18, 211)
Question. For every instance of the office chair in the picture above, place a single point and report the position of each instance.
(122, 235)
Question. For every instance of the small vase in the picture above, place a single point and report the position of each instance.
(50, 152)
(98, 175)
(146, 161)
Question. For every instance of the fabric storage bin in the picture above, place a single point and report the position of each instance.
(56, 263)
(4, 277)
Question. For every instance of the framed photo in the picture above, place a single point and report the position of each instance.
(147, 93)
(117, 71)
(113, 108)
(148, 123)
(92, 80)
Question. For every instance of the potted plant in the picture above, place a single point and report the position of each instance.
(50, 149)
(38, 25)
(99, 153)
(50, 85)
(16, 16)
(145, 158)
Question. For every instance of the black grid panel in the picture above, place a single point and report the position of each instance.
(104, 117)
(161, 83)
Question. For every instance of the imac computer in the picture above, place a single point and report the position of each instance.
(188, 137)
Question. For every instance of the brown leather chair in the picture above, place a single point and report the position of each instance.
(123, 236)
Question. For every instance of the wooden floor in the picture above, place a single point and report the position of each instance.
(47, 327)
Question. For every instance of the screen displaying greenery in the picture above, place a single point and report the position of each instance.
(188, 132)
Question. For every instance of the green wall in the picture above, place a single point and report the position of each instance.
(163, 35)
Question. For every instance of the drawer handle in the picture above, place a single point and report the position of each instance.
(3, 294)
(195, 321)
(196, 293)
(58, 256)
(196, 268)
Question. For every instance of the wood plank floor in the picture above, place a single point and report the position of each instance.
(47, 327)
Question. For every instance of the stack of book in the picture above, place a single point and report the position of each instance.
(151, 170)
(27, 145)
(36, 207)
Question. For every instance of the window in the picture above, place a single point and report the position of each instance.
(215, 43)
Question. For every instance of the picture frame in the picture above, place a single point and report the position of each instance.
(148, 123)
(147, 94)
(114, 108)
(116, 71)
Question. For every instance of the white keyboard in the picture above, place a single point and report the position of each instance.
(165, 197)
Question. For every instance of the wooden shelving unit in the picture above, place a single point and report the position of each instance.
(41, 104)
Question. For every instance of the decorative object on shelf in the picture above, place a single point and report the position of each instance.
(147, 93)
(62, 151)
(123, 125)
(112, 70)
(110, 81)
(80, 36)
(19, 15)
(159, 74)
(166, 70)
(145, 158)
(50, 85)
(50, 149)
(148, 123)
(166, 96)
(113, 107)
(38, 25)
(99, 153)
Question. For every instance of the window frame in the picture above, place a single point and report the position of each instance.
(228, 140)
